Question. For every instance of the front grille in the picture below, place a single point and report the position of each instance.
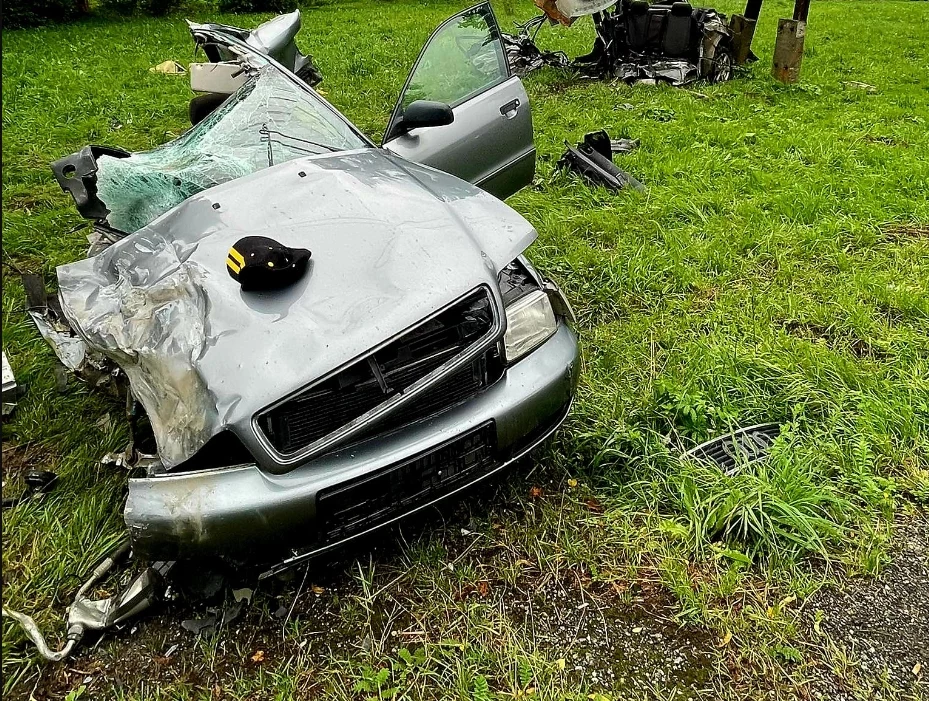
(388, 372)
(355, 506)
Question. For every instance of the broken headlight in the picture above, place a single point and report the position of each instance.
(530, 319)
(529, 322)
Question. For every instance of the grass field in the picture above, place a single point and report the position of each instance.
(775, 269)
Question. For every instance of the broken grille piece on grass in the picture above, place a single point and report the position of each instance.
(733, 451)
(592, 158)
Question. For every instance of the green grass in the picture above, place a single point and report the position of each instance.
(775, 269)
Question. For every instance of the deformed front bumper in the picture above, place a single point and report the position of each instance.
(244, 510)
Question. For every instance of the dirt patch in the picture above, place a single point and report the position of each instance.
(876, 630)
(606, 644)
(19, 459)
(610, 637)
(838, 340)
(904, 232)
(610, 640)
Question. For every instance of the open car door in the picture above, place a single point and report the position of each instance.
(485, 136)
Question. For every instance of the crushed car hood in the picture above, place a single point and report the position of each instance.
(391, 242)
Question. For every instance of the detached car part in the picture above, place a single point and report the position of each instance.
(733, 451)
(523, 54)
(592, 158)
(223, 75)
(639, 42)
(418, 353)
(87, 614)
(11, 390)
(37, 482)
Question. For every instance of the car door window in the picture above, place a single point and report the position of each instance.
(463, 58)
(488, 141)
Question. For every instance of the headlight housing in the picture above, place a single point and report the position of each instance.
(530, 321)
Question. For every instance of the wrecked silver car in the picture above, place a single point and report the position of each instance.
(642, 42)
(415, 353)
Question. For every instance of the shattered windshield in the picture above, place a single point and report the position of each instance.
(269, 120)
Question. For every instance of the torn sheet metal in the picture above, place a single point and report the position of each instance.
(46, 313)
(11, 390)
(45, 310)
(651, 72)
(623, 145)
(523, 54)
(140, 306)
(269, 120)
(592, 158)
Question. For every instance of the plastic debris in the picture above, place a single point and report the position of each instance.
(70, 348)
(592, 159)
(38, 482)
(735, 450)
(169, 68)
(215, 620)
(11, 390)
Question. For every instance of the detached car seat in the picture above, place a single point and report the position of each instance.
(637, 25)
(678, 31)
(657, 20)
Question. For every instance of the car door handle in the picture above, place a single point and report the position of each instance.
(510, 109)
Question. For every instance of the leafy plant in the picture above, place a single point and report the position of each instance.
(480, 689)
(781, 503)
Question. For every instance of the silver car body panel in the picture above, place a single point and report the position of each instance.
(393, 242)
(490, 142)
(240, 508)
(487, 147)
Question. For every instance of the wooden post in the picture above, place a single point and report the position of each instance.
(788, 49)
(801, 10)
(743, 30)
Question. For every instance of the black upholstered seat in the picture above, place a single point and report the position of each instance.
(637, 25)
(678, 30)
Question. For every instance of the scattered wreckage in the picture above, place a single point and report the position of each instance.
(592, 159)
(221, 76)
(398, 348)
(638, 42)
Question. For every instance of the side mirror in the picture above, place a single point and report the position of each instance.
(424, 113)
